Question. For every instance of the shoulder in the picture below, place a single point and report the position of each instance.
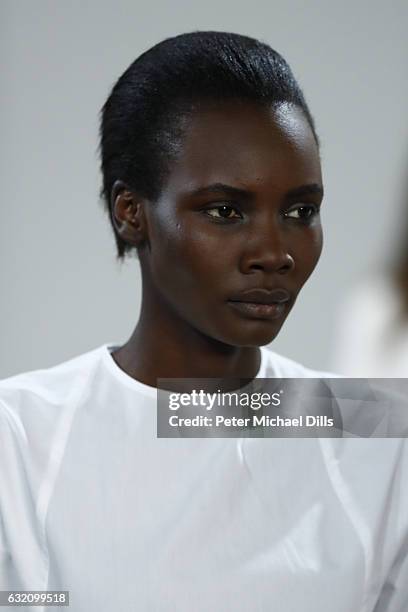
(52, 386)
(33, 404)
(37, 410)
(278, 366)
(36, 415)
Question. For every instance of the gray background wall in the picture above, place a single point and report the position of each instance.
(62, 291)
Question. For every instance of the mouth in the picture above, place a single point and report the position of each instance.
(259, 311)
(261, 303)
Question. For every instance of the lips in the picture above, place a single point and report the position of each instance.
(261, 303)
(262, 296)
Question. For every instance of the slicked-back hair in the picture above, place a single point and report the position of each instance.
(141, 125)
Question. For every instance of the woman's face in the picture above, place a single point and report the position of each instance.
(236, 231)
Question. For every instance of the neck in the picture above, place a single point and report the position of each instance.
(163, 345)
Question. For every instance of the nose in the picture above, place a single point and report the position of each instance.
(267, 250)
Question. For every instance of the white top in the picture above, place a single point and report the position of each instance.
(370, 342)
(93, 502)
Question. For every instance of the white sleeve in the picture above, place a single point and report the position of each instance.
(22, 559)
(394, 594)
(8, 578)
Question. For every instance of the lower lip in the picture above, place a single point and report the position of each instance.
(259, 311)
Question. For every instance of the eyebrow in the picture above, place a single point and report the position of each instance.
(309, 189)
(217, 187)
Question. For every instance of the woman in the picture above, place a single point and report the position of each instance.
(227, 144)
(211, 174)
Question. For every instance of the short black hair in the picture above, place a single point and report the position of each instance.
(141, 124)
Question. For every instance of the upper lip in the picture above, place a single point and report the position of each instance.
(262, 296)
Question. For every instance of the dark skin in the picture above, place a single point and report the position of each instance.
(239, 211)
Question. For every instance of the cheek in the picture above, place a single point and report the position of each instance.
(187, 257)
(306, 250)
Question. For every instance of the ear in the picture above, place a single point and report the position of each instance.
(128, 214)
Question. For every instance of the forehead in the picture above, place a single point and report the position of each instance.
(246, 145)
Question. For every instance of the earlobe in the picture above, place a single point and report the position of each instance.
(128, 214)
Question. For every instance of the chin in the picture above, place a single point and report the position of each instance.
(259, 341)
(241, 330)
(260, 335)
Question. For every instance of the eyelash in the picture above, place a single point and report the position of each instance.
(228, 206)
(309, 207)
(313, 208)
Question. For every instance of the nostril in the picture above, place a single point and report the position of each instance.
(288, 265)
(281, 264)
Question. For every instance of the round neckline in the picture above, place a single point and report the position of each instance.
(147, 390)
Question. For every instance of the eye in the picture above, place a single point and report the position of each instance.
(224, 211)
(306, 212)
